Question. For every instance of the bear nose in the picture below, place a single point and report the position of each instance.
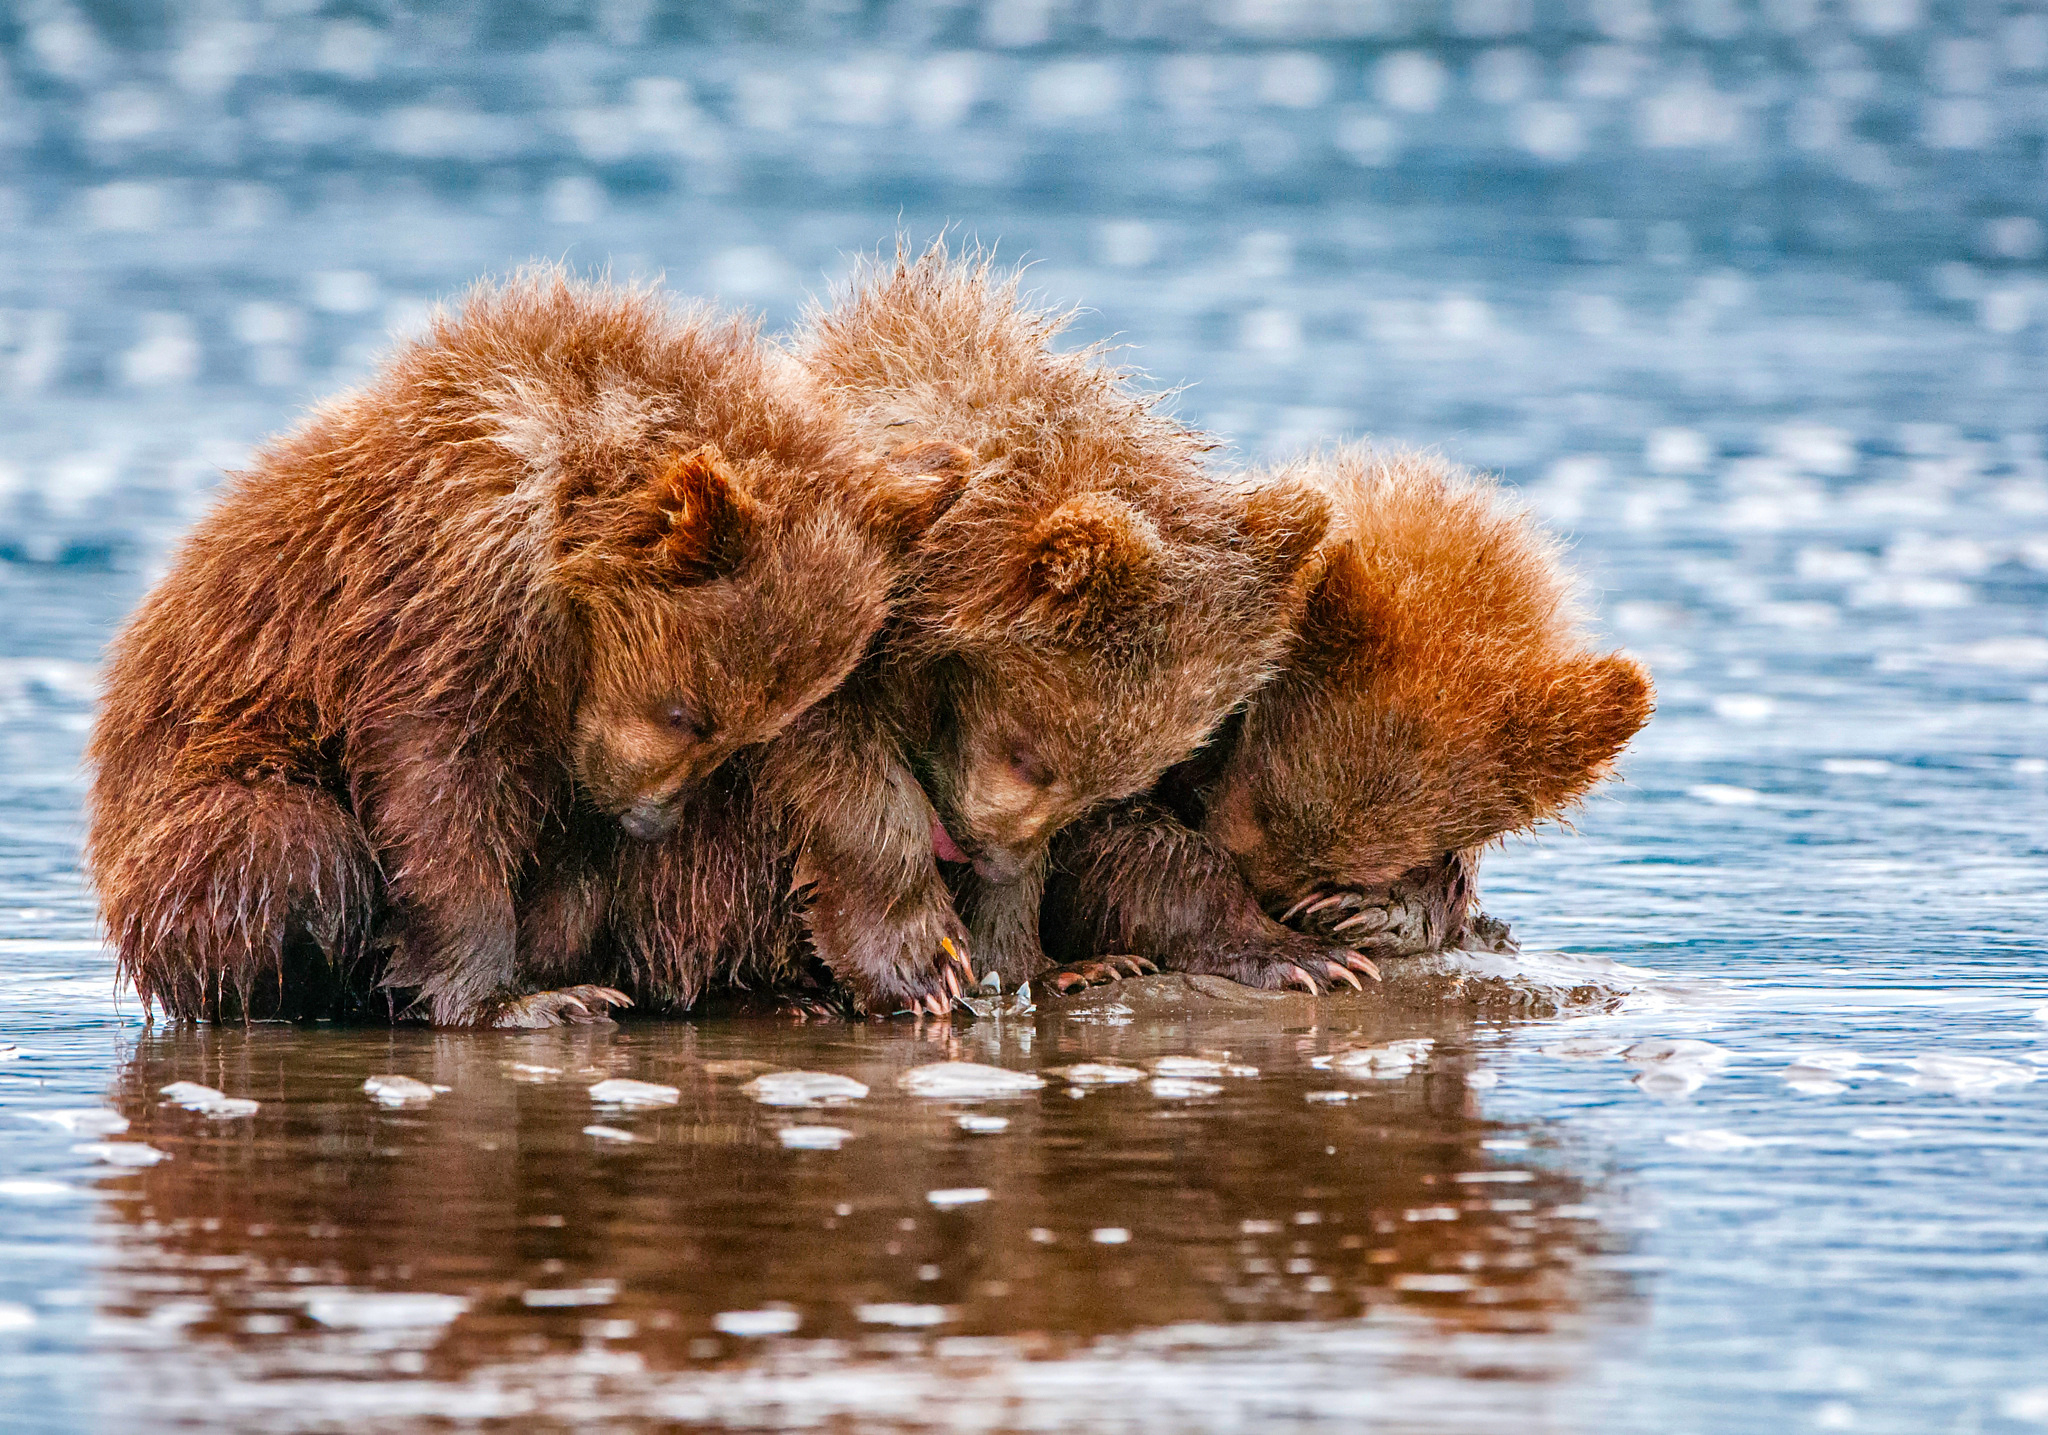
(647, 820)
(999, 864)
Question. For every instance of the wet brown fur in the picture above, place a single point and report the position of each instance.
(1439, 694)
(441, 645)
(1079, 619)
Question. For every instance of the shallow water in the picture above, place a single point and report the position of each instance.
(1784, 384)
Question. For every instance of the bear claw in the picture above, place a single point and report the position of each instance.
(566, 1006)
(1098, 971)
(1341, 973)
(1359, 962)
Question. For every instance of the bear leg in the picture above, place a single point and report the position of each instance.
(1135, 882)
(243, 899)
(878, 912)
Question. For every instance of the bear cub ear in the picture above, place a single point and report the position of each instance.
(1565, 724)
(915, 485)
(1336, 623)
(1284, 521)
(695, 518)
(1090, 559)
(688, 519)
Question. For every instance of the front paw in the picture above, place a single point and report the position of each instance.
(1490, 934)
(919, 964)
(1297, 961)
(1095, 972)
(1397, 923)
(566, 1006)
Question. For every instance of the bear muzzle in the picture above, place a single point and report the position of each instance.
(650, 818)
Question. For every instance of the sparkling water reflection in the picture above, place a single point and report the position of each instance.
(1748, 300)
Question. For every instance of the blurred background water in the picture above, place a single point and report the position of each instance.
(1749, 298)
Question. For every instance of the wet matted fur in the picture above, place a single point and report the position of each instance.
(1438, 694)
(1078, 620)
(441, 647)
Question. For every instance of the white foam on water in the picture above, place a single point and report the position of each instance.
(1098, 1073)
(983, 1125)
(14, 1316)
(83, 1120)
(1109, 1236)
(904, 1314)
(1389, 1061)
(609, 1133)
(752, 1324)
(965, 1080)
(30, 1188)
(1722, 794)
(957, 1196)
(1332, 1097)
(1182, 1088)
(1584, 1048)
(122, 1153)
(1713, 1140)
(571, 1297)
(1965, 1075)
(399, 1091)
(814, 1138)
(205, 1100)
(804, 1088)
(624, 1091)
(1669, 1068)
(383, 1310)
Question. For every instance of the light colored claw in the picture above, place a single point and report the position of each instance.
(1303, 980)
(1341, 973)
(1329, 901)
(1360, 963)
(1290, 913)
(959, 957)
(1362, 919)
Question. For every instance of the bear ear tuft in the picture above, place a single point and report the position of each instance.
(1285, 520)
(916, 484)
(1090, 559)
(1336, 621)
(694, 518)
(1564, 726)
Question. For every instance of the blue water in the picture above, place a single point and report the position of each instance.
(1749, 300)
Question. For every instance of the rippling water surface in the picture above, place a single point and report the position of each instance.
(1748, 302)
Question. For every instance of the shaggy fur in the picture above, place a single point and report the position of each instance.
(1078, 620)
(1438, 695)
(409, 681)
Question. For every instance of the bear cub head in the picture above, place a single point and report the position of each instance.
(1092, 603)
(721, 549)
(1439, 694)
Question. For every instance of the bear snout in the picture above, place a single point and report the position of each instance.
(1000, 865)
(649, 818)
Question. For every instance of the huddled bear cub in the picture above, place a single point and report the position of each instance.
(1078, 620)
(1438, 694)
(554, 565)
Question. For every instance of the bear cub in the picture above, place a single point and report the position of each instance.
(1079, 619)
(1438, 694)
(543, 575)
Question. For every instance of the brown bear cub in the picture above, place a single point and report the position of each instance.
(525, 591)
(1079, 619)
(1438, 695)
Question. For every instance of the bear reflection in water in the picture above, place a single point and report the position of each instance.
(1126, 1210)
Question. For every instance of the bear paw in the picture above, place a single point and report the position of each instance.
(567, 1006)
(1096, 972)
(1310, 967)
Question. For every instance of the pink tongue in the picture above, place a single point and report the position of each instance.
(943, 846)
